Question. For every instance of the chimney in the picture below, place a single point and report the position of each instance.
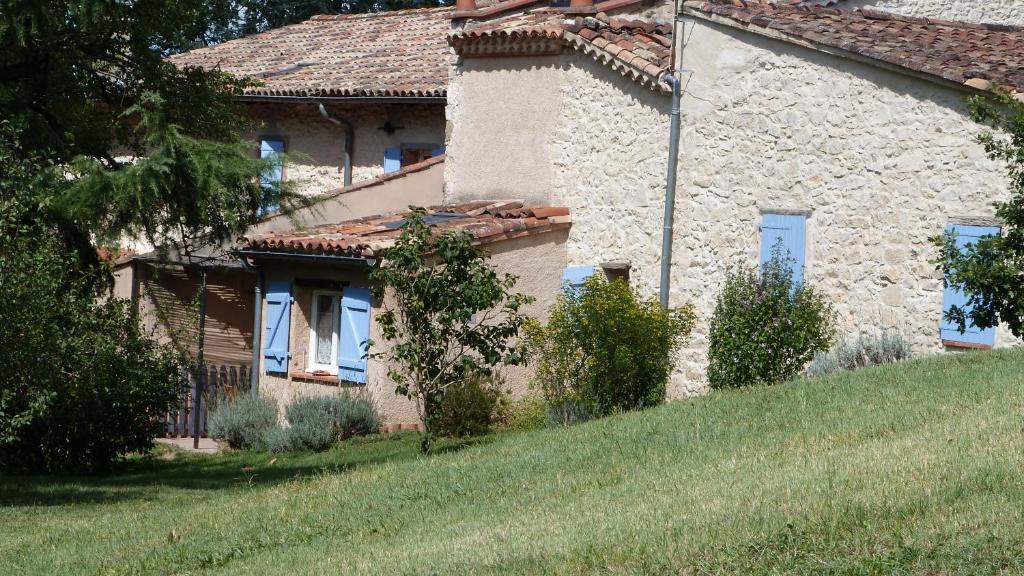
(465, 5)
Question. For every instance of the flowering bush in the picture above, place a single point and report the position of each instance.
(765, 327)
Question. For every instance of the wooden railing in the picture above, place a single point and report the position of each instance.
(219, 383)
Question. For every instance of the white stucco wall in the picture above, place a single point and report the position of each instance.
(879, 160)
(978, 11)
(316, 145)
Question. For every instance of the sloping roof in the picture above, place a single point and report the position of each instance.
(638, 49)
(487, 8)
(382, 54)
(487, 220)
(972, 54)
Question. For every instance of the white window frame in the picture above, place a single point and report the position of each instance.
(335, 337)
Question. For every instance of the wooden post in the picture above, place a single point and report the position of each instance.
(197, 398)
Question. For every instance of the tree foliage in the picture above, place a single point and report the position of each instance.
(766, 328)
(81, 383)
(991, 270)
(607, 349)
(448, 315)
(146, 148)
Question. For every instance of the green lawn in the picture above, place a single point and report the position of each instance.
(910, 469)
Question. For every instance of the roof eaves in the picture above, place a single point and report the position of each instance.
(757, 24)
(648, 75)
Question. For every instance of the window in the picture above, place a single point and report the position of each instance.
(972, 337)
(398, 157)
(323, 333)
(272, 178)
(339, 328)
(789, 230)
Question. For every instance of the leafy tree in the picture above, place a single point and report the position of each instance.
(81, 382)
(147, 149)
(103, 140)
(606, 349)
(449, 317)
(765, 329)
(990, 271)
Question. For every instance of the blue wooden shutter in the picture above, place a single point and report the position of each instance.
(272, 177)
(955, 296)
(392, 159)
(353, 333)
(791, 230)
(275, 340)
(437, 151)
(574, 277)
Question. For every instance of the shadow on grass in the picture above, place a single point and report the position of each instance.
(145, 477)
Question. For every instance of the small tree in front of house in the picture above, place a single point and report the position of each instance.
(449, 316)
(989, 271)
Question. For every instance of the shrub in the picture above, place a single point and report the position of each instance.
(865, 350)
(567, 413)
(765, 328)
(606, 349)
(316, 422)
(469, 407)
(244, 422)
(526, 413)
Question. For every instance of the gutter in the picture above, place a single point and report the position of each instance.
(356, 261)
(349, 141)
(344, 99)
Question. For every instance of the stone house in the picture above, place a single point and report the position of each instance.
(318, 309)
(357, 105)
(349, 97)
(844, 133)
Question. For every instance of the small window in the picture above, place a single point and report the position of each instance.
(399, 157)
(272, 178)
(953, 295)
(323, 333)
(788, 231)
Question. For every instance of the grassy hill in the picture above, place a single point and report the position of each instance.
(909, 469)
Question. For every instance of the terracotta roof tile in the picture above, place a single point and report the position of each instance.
(486, 221)
(397, 53)
(955, 51)
(636, 48)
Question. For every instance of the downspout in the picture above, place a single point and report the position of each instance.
(349, 140)
(670, 179)
(257, 327)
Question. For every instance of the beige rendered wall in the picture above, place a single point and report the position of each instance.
(316, 145)
(979, 11)
(537, 260)
(382, 195)
(879, 160)
(503, 111)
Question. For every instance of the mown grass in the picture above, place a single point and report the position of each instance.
(906, 469)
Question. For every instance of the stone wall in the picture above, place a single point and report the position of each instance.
(317, 145)
(987, 11)
(537, 260)
(879, 160)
